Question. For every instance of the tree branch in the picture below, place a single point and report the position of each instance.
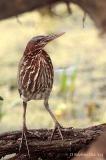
(16, 7)
(74, 140)
(96, 9)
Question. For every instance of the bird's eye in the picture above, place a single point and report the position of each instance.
(38, 41)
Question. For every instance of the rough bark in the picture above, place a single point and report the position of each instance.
(41, 147)
(96, 9)
(16, 7)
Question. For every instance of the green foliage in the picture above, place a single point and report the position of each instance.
(74, 75)
(63, 83)
(72, 87)
(68, 83)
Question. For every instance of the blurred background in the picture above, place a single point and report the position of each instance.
(79, 59)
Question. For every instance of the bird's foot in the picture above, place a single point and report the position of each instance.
(24, 138)
(58, 128)
(33, 134)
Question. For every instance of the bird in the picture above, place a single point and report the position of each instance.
(35, 79)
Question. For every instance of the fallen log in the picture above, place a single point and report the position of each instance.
(41, 148)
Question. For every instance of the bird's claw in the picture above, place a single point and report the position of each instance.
(24, 137)
(33, 134)
(59, 128)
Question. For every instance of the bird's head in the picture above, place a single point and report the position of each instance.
(39, 42)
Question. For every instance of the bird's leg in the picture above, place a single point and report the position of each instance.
(24, 130)
(57, 124)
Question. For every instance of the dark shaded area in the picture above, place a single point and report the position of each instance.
(96, 150)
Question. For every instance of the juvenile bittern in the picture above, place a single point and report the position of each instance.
(35, 78)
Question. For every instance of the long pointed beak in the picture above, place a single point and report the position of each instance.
(53, 36)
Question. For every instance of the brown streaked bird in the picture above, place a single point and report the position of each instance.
(35, 78)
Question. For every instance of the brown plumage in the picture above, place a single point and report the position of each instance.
(35, 77)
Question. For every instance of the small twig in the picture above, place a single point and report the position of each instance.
(18, 20)
(83, 19)
(68, 7)
(1, 98)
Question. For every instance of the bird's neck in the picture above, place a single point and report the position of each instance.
(33, 52)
